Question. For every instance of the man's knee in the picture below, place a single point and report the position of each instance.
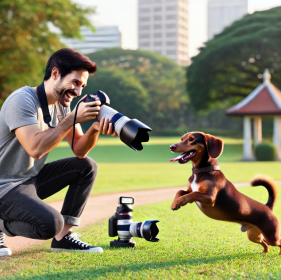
(90, 165)
(51, 226)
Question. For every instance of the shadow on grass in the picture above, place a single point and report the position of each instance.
(94, 273)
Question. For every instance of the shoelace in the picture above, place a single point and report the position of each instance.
(2, 238)
(74, 237)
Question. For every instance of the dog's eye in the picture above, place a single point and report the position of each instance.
(191, 139)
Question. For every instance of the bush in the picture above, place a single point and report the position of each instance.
(266, 152)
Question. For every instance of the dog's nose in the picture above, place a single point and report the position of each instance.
(173, 147)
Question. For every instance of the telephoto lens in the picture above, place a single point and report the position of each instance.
(131, 132)
(122, 225)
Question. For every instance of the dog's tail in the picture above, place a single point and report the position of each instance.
(270, 185)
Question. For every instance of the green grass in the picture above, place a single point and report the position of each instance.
(112, 150)
(192, 246)
(120, 177)
(122, 169)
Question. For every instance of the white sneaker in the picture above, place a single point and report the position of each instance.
(4, 250)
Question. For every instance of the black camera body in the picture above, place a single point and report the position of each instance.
(132, 132)
(122, 225)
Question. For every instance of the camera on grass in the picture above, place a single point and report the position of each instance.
(132, 132)
(122, 225)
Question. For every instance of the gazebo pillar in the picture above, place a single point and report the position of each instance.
(257, 130)
(277, 134)
(247, 146)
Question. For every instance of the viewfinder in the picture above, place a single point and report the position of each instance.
(126, 200)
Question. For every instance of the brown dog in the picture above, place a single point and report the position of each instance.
(217, 198)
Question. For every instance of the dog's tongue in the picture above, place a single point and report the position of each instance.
(176, 158)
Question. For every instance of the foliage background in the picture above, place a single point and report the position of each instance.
(231, 65)
(142, 84)
(27, 42)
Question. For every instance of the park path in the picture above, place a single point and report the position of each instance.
(103, 206)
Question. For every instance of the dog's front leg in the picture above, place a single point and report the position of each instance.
(204, 198)
(178, 194)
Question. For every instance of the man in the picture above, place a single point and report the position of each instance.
(25, 140)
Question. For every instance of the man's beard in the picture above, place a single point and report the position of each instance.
(60, 93)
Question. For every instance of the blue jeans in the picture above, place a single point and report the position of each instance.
(25, 213)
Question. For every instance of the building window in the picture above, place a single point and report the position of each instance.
(157, 17)
(144, 44)
(144, 19)
(144, 27)
(171, 8)
(157, 9)
(158, 51)
(159, 43)
(171, 43)
(171, 17)
(144, 36)
(144, 10)
(157, 35)
(171, 25)
(171, 52)
(157, 26)
(171, 34)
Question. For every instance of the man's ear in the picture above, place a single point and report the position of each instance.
(55, 73)
(214, 145)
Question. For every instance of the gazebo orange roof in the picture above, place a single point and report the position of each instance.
(263, 100)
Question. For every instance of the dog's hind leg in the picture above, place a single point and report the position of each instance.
(255, 235)
(271, 232)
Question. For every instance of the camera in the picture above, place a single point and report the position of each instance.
(131, 132)
(122, 225)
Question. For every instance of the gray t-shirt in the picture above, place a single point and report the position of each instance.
(21, 108)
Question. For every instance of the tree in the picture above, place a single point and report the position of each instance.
(162, 78)
(26, 41)
(230, 66)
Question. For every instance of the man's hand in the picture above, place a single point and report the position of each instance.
(86, 111)
(104, 127)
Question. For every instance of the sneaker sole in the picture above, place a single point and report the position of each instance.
(5, 252)
(92, 250)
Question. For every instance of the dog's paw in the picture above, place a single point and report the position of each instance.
(174, 206)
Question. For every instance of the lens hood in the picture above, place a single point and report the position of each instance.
(134, 133)
(150, 230)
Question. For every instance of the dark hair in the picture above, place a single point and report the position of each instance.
(68, 60)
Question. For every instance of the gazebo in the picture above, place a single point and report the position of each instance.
(265, 100)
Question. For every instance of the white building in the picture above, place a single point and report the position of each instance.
(163, 28)
(105, 37)
(222, 13)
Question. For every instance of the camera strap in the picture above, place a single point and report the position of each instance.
(44, 104)
(45, 109)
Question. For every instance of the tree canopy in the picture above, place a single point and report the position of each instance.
(230, 66)
(161, 78)
(26, 41)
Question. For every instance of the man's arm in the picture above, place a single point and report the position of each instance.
(83, 143)
(37, 143)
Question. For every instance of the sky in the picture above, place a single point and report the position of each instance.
(124, 14)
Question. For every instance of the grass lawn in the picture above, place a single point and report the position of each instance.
(192, 246)
(112, 150)
(122, 169)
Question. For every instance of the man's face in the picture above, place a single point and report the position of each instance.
(70, 86)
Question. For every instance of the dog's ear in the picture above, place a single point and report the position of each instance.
(214, 145)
